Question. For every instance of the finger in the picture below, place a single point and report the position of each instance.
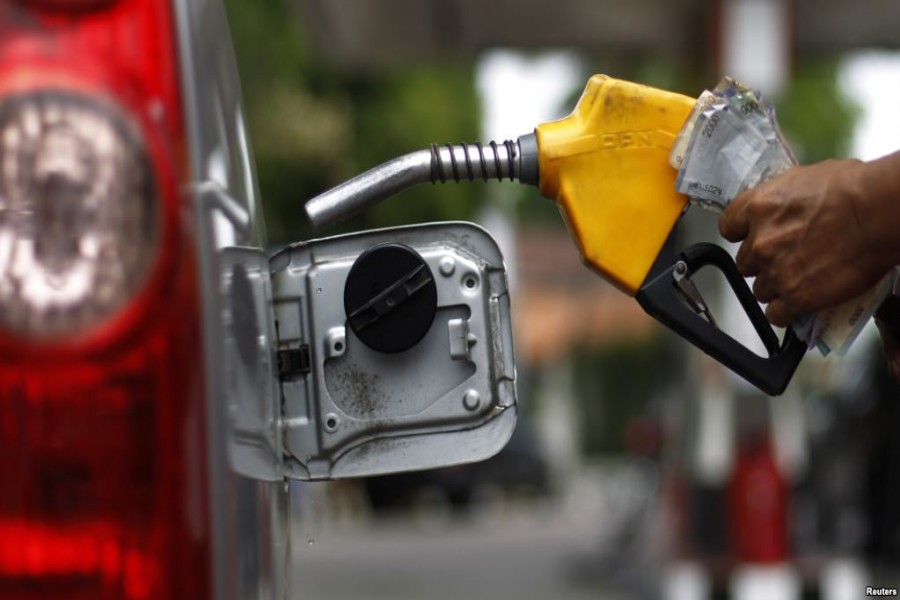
(778, 313)
(734, 224)
(745, 260)
(764, 289)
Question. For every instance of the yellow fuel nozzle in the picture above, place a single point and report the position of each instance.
(607, 166)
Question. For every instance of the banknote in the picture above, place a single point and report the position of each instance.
(838, 328)
(728, 87)
(770, 111)
(704, 178)
(723, 151)
(679, 147)
(777, 157)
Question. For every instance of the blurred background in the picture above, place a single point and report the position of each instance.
(638, 468)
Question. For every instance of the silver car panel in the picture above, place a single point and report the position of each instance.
(449, 399)
(249, 518)
(261, 429)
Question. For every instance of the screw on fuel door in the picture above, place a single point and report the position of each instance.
(390, 298)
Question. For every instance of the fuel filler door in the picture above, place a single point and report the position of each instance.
(394, 351)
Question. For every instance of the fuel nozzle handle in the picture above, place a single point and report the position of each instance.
(607, 167)
(439, 164)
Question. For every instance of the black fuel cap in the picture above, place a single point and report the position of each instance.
(390, 298)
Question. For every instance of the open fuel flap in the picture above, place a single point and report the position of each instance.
(394, 351)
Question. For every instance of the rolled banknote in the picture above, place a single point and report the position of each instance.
(722, 153)
(679, 147)
(838, 328)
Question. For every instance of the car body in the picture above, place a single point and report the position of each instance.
(161, 376)
(118, 478)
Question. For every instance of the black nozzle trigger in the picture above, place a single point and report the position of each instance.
(661, 297)
(681, 277)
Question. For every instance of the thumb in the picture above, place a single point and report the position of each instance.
(734, 224)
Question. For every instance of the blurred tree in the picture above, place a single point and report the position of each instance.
(816, 114)
(614, 384)
(313, 127)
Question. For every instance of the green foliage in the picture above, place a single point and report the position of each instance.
(816, 115)
(614, 384)
(406, 111)
(313, 126)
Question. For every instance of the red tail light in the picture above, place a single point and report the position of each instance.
(102, 445)
(82, 213)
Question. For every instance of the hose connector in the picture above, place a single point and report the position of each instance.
(474, 161)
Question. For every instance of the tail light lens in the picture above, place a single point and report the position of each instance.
(102, 418)
(79, 213)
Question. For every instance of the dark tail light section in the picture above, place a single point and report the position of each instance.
(102, 423)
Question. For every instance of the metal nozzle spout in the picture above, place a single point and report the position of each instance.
(456, 162)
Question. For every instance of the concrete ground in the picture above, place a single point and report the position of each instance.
(514, 557)
(517, 550)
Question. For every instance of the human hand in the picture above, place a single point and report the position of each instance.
(810, 237)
